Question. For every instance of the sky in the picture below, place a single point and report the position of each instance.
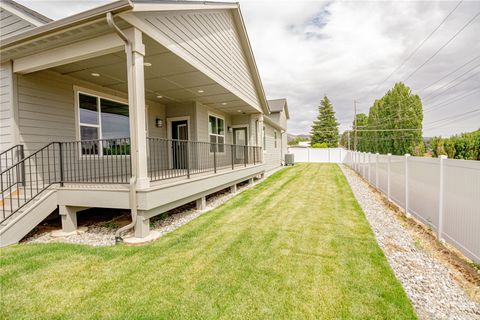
(347, 49)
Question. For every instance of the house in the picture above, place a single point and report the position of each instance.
(143, 105)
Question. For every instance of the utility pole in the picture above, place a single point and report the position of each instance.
(355, 124)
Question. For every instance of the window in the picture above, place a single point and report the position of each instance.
(102, 119)
(216, 132)
(275, 137)
(264, 139)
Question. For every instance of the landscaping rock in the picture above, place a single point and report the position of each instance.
(98, 235)
(427, 281)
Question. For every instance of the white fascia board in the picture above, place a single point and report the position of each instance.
(242, 31)
(146, 7)
(22, 15)
(167, 43)
(70, 53)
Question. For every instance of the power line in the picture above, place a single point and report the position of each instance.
(455, 116)
(449, 74)
(420, 45)
(448, 102)
(443, 46)
(450, 82)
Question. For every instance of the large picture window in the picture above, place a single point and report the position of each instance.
(216, 132)
(105, 120)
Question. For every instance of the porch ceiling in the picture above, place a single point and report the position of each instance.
(168, 78)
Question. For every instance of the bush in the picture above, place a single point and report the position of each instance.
(320, 145)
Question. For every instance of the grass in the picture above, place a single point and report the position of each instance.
(296, 246)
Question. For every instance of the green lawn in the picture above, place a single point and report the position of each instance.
(296, 246)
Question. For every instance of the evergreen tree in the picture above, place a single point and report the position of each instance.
(325, 128)
(362, 136)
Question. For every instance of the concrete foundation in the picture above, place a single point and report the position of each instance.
(201, 203)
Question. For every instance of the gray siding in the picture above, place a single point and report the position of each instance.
(210, 40)
(272, 155)
(11, 25)
(7, 125)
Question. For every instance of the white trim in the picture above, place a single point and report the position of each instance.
(81, 50)
(22, 15)
(78, 124)
(237, 126)
(218, 116)
(169, 125)
(144, 7)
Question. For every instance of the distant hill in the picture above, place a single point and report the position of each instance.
(292, 137)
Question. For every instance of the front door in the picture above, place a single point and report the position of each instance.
(179, 144)
(240, 140)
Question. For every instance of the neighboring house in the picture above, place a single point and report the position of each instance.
(140, 105)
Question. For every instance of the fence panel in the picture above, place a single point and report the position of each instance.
(423, 189)
(383, 173)
(461, 210)
(397, 180)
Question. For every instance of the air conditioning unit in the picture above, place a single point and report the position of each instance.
(289, 159)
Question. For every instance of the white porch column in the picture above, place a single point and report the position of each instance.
(136, 103)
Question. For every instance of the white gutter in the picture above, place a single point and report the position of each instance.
(133, 138)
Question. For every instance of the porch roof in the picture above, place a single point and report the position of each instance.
(92, 23)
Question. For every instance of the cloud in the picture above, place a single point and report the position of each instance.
(305, 49)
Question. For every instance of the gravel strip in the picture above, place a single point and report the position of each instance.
(97, 235)
(428, 283)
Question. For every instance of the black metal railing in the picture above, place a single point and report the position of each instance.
(107, 161)
(11, 156)
(96, 161)
(171, 158)
(28, 177)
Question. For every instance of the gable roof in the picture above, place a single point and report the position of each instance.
(25, 13)
(279, 105)
(147, 5)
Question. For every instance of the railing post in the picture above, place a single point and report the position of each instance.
(254, 155)
(60, 148)
(406, 184)
(232, 153)
(376, 170)
(22, 166)
(245, 155)
(440, 197)
(389, 155)
(215, 158)
(187, 151)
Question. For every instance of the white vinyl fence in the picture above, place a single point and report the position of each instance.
(330, 155)
(442, 193)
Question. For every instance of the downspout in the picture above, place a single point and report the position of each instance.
(133, 179)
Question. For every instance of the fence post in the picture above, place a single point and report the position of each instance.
(376, 170)
(329, 160)
(440, 198)
(369, 168)
(389, 155)
(406, 184)
(308, 154)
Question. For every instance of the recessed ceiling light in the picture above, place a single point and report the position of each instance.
(159, 97)
(239, 110)
(94, 74)
(147, 64)
(224, 103)
(200, 91)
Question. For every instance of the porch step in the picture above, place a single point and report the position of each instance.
(21, 222)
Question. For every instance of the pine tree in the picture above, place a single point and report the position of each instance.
(325, 128)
